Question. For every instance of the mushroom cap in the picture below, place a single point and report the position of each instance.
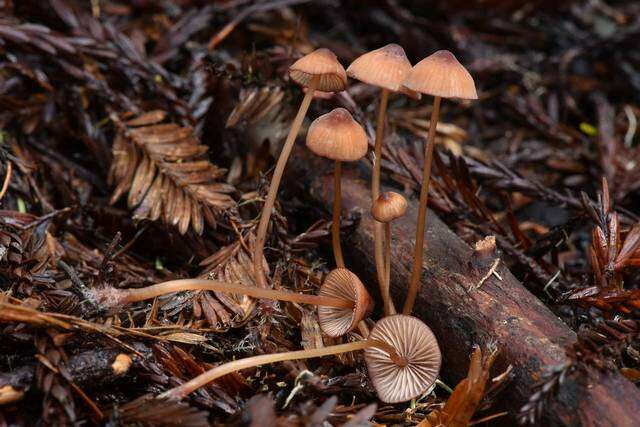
(323, 63)
(440, 74)
(388, 206)
(341, 283)
(414, 341)
(337, 136)
(386, 67)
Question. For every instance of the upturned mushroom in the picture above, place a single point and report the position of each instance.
(388, 207)
(337, 136)
(319, 70)
(442, 76)
(387, 69)
(344, 285)
(401, 353)
(343, 300)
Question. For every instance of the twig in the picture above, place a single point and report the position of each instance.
(491, 271)
(7, 179)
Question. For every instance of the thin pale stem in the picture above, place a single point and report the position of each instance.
(337, 208)
(416, 270)
(7, 179)
(141, 294)
(375, 192)
(387, 264)
(250, 362)
(275, 182)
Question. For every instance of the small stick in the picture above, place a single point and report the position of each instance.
(7, 179)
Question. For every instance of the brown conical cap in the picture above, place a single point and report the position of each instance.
(337, 136)
(342, 283)
(323, 63)
(413, 341)
(440, 74)
(386, 67)
(388, 207)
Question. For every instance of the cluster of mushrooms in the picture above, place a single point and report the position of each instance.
(401, 353)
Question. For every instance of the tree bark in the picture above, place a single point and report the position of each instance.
(462, 314)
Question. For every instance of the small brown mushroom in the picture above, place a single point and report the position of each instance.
(319, 70)
(337, 136)
(386, 68)
(322, 64)
(113, 297)
(342, 283)
(388, 207)
(418, 348)
(403, 360)
(442, 76)
(343, 301)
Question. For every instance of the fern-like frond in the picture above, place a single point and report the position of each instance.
(160, 166)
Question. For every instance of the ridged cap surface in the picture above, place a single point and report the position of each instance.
(386, 67)
(412, 340)
(440, 74)
(342, 283)
(337, 136)
(323, 63)
(388, 207)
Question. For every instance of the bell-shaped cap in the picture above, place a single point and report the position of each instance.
(323, 63)
(414, 342)
(440, 74)
(386, 67)
(337, 136)
(388, 207)
(342, 283)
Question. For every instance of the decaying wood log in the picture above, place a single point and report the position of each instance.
(100, 367)
(465, 307)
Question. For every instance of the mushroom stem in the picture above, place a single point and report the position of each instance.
(124, 296)
(387, 264)
(375, 192)
(335, 224)
(275, 181)
(416, 270)
(250, 362)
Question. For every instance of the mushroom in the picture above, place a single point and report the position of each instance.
(343, 300)
(401, 353)
(337, 136)
(416, 345)
(343, 284)
(388, 207)
(387, 69)
(319, 70)
(442, 76)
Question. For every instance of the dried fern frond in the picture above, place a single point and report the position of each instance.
(233, 264)
(255, 104)
(161, 167)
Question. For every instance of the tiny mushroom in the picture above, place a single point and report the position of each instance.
(401, 353)
(388, 207)
(337, 136)
(418, 349)
(442, 76)
(343, 300)
(342, 283)
(386, 68)
(319, 70)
